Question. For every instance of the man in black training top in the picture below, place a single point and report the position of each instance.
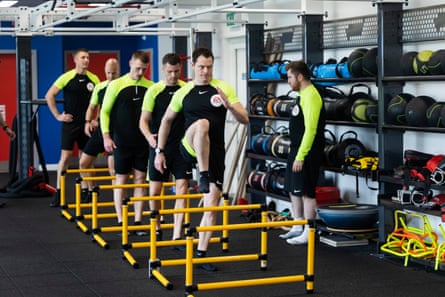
(156, 101)
(204, 102)
(119, 121)
(306, 131)
(77, 85)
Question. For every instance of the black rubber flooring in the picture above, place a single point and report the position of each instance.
(42, 254)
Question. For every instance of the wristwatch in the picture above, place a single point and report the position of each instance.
(158, 150)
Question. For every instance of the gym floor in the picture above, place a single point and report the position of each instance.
(44, 255)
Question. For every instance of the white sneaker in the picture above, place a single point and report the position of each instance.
(302, 239)
(295, 231)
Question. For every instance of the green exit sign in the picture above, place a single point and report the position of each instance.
(230, 17)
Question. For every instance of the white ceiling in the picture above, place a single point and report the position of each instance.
(46, 17)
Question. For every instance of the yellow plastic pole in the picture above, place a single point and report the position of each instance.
(310, 259)
(225, 222)
(263, 252)
(189, 264)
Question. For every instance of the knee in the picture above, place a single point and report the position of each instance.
(203, 125)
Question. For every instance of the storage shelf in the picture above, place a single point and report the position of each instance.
(394, 205)
(412, 128)
(414, 78)
(270, 194)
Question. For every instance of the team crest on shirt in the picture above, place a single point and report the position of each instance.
(295, 110)
(90, 86)
(216, 100)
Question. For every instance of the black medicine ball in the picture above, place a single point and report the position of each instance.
(420, 62)
(433, 115)
(395, 113)
(355, 61)
(442, 116)
(415, 111)
(372, 112)
(406, 63)
(436, 63)
(358, 109)
(369, 63)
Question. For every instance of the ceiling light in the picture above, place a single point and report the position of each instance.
(7, 3)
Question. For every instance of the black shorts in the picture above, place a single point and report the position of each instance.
(216, 163)
(127, 158)
(303, 183)
(95, 144)
(71, 134)
(177, 165)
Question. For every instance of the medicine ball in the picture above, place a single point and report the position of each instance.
(415, 111)
(436, 63)
(420, 62)
(355, 61)
(442, 116)
(396, 109)
(406, 63)
(433, 114)
(358, 109)
(372, 112)
(369, 63)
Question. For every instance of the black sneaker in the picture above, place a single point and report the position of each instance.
(179, 247)
(204, 186)
(85, 196)
(56, 200)
(158, 235)
(139, 232)
(205, 266)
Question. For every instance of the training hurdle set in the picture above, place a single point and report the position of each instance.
(155, 263)
(153, 244)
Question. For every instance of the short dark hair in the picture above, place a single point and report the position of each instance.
(81, 49)
(201, 51)
(171, 58)
(141, 55)
(301, 67)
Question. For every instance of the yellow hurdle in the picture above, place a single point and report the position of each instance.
(155, 263)
(308, 276)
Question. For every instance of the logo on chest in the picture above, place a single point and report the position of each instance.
(216, 100)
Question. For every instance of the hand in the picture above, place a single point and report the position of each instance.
(10, 133)
(160, 162)
(152, 140)
(65, 117)
(297, 166)
(109, 144)
(90, 127)
(224, 99)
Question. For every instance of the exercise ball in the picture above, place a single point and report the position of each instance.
(433, 115)
(358, 109)
(406, 63)
(395, 113)
(420, 62)
(355, 61)
(415, 111)
(369, 63)
(436, 63)
(372, 112)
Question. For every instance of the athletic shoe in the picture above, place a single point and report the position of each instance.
(56, 200)
(295, 231)
(207, 267)
(302, 239)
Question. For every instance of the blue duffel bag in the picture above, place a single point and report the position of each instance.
(265, 71)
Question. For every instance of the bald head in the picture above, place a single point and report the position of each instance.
(112, 69)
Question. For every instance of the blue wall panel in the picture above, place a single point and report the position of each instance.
(50, 64)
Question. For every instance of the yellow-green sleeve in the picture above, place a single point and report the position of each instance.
(311, 104)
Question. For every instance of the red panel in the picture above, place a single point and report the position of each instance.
(7, 98)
